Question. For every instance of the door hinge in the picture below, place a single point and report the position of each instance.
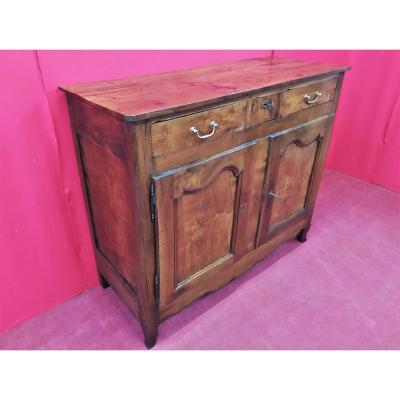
(153, 201)
(157, 287)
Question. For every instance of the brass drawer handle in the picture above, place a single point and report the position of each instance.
(194, 131)
(267, 105)
(308, 100)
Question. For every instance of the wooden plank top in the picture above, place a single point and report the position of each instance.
(144, 97)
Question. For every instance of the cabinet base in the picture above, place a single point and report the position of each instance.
(302, 235)
(150, 324)
(103, 282)
(150, 340)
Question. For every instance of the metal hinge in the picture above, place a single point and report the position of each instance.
(157, 287)
(153, 201)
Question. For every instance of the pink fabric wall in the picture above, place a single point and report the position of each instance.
(44, 238)
(45, 250)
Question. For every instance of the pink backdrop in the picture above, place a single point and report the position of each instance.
(46, 255)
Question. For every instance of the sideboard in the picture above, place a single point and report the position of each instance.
(191, 177)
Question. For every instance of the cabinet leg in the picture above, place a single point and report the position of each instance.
(150, 337)
(302, 235)
(103, 282)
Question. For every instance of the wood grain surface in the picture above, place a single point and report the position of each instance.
(144, 97)
(173, 134)
(292, 100)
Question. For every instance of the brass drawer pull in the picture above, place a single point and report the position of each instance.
(308, 100)
(267, 105)
(194, 131)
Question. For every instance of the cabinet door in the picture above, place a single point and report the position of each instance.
(295, 164)
(206, 218)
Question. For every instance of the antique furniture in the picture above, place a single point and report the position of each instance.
(192, 177)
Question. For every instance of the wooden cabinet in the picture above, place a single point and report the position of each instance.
(192, 177)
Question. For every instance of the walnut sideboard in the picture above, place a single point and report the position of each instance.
(191, 177)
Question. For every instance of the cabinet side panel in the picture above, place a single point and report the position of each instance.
(106, 154)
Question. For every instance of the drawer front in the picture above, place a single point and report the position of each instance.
(303, 97)
(195, 129)
(263, 108)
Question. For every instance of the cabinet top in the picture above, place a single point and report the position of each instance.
(143, 97)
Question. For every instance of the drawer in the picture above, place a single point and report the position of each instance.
(263, 108)
(178, 133)
(306, 96)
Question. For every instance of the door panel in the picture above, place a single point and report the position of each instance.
(293, 180)
(206, 217)
(295, 165)
(205, 224)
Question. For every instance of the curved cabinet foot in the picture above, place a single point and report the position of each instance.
(103, 282)
(150, 338)
(302, 235)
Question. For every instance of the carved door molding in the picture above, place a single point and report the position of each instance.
(206, 217)
(295, 166)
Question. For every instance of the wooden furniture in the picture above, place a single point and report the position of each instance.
(191, 177)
